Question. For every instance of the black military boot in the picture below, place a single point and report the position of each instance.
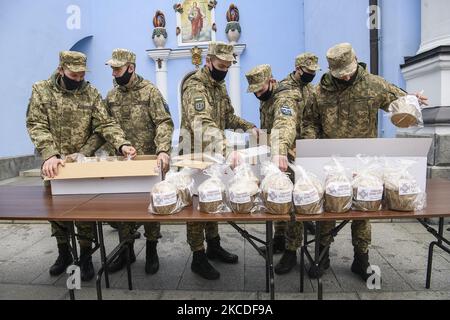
(279, 243)
(287, 262)
(360, 265)
(215, 251)
(136, 234)
(87, 268)
(201, 266)
(120, 262)
(317, 272)
(151, 257)
(63, 261)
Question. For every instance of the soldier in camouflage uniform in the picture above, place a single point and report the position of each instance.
(63, 113)
(206, 113)
(306, 65)
(290, 234)
(347, 102)
(143, 114)
(280, 109)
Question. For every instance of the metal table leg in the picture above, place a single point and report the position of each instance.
(302, 259)
(103, 252)
(317, 261)
(269, 237)
(123, 246)
(267, 255)
(73, 248)
(441, 242)
(127, 255)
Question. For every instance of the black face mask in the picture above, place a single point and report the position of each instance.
(71, 84)
(124, 79)
(266, 95)
(347, 83)
(307, 77)
(217, 74)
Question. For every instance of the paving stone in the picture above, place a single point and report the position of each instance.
(412, 295)
(27, 292)
(440, 279)
(21, 239)
(311, 296)
(207, 295)
(116, 294)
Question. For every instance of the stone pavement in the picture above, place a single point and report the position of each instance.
(398, 248)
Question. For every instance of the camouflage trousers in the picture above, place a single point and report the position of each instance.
(152, 230)
(85, 231)
(361, 234)
(294, 235)
(197, 231)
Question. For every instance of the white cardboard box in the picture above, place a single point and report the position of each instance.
(132, 176)
(313, 155)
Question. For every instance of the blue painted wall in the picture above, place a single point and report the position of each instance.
(111, 33)
(399, 38)
(32, 34)
(329, 22)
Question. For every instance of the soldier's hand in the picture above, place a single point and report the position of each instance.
(256, 132)
(50, 167)
(129, 151)
(281, 162)
(423, 100)
(165, 159)
(234, 159)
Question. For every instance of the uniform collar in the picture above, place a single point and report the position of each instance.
(134, 84)
(56, 79)
(206, 77)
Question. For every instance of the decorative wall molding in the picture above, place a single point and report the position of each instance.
(162, 56)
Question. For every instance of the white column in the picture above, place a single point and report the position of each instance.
(431, 73)
(235, 80)
(160, 56)
(235, 86)
(435, 24)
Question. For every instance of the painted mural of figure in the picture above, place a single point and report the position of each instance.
(196, 17)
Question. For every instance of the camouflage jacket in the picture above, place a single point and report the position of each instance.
(207, 111)
(307, 92)
(63, 122)
(143, 115)
(348, 111)
(279, 117)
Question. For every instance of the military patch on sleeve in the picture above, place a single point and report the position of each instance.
(286, 111)
(199, 104)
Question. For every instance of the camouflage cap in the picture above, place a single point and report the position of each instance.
(258, 76)
(342, 60)
(307, 60)
(222, 51)
(73, 60)
(121, 57)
